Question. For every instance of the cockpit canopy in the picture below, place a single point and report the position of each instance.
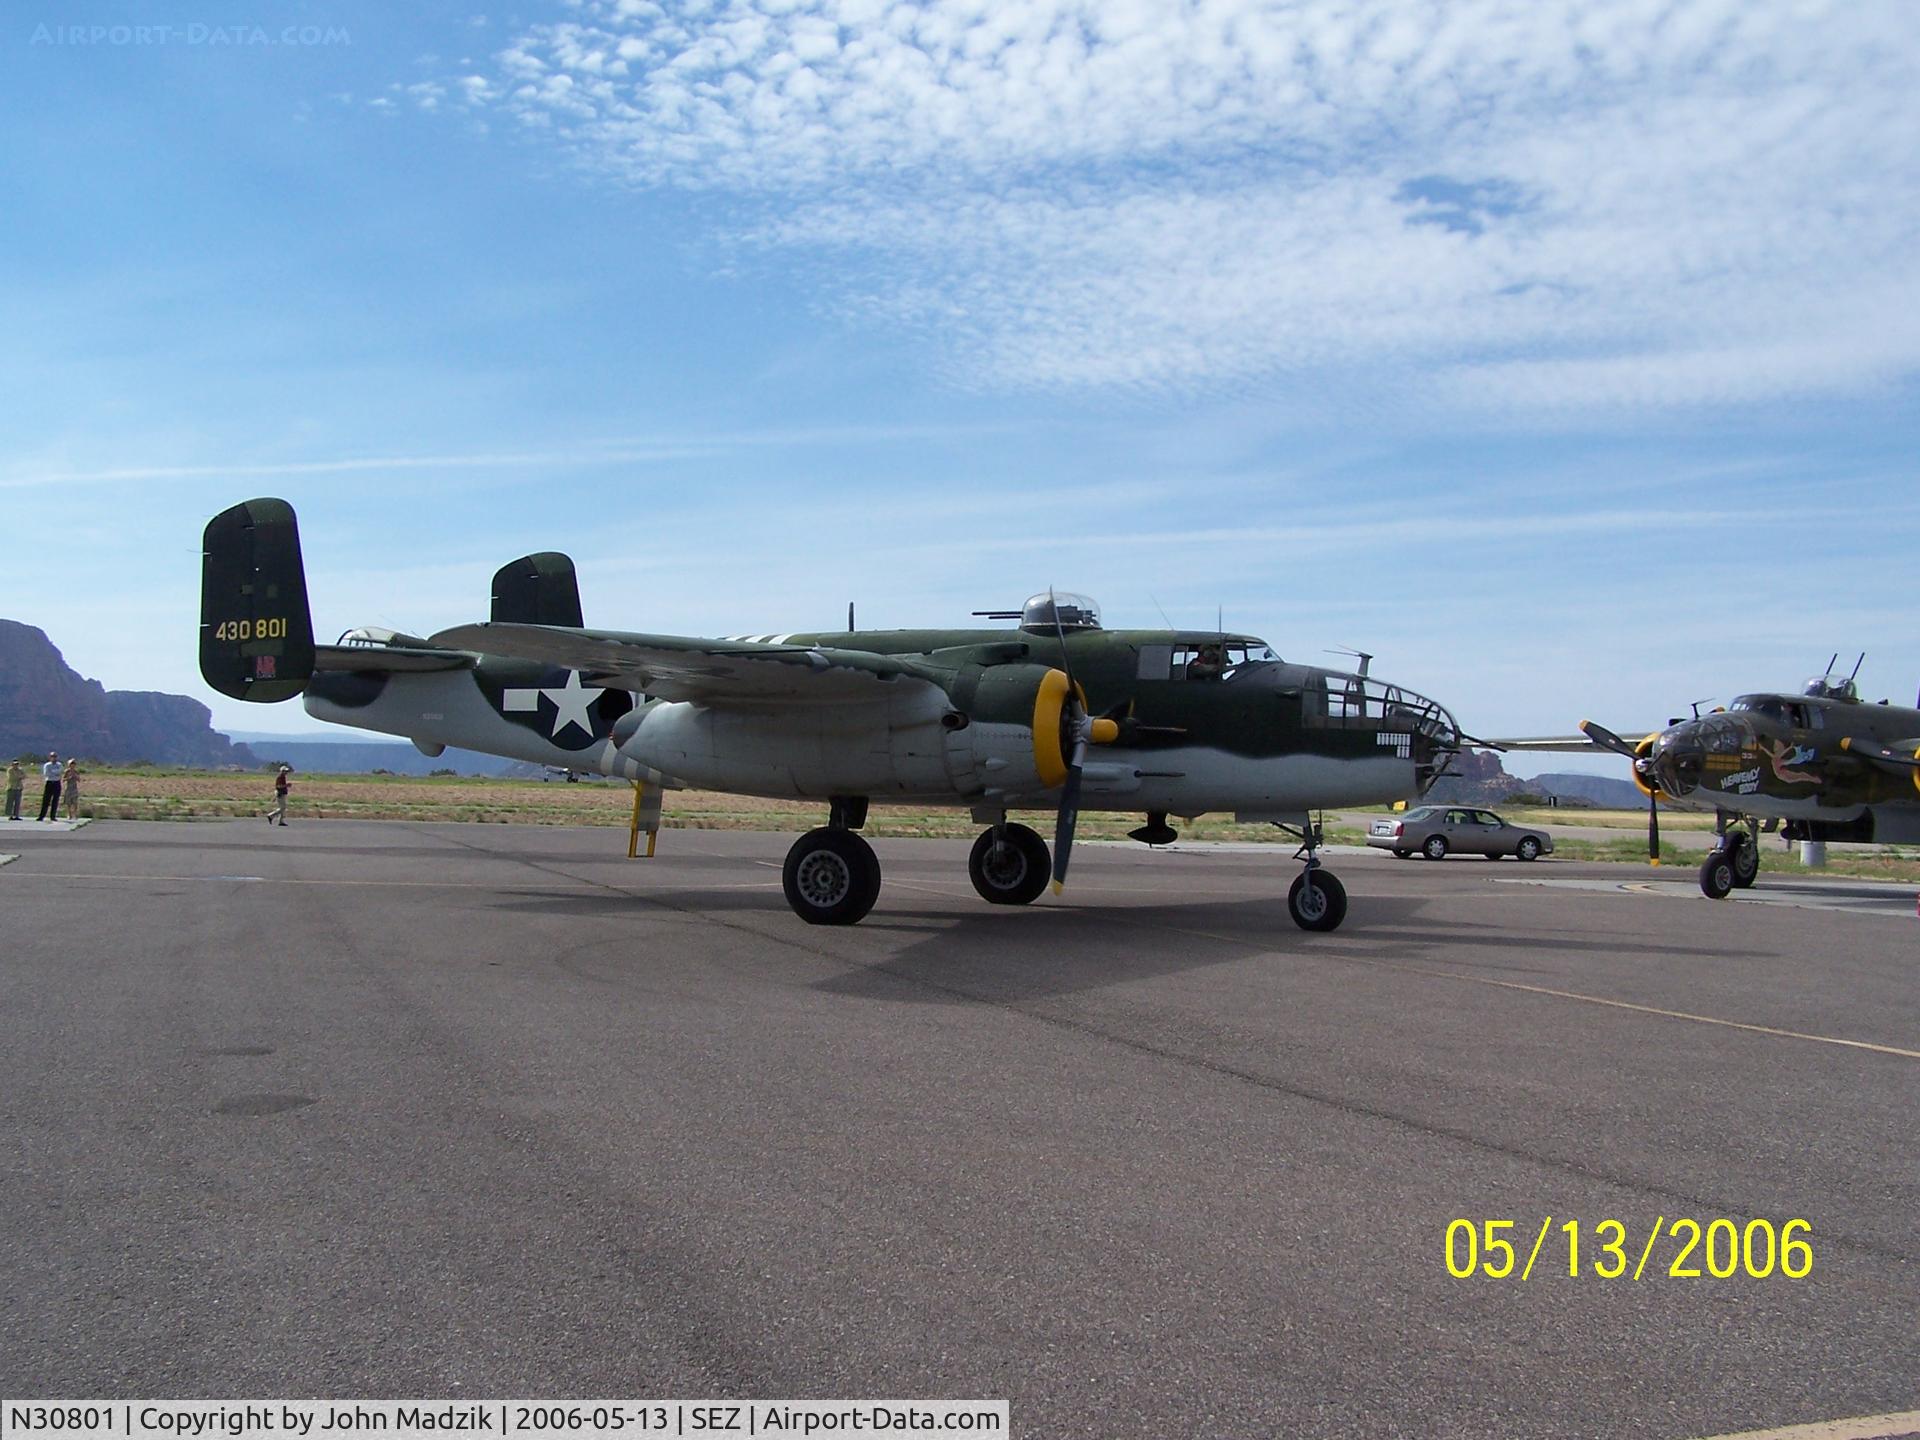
(1059, 609)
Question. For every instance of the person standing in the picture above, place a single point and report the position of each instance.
(70, 786)
(50, 793)
(16, 779)
(281, 784)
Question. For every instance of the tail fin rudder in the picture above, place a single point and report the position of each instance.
(537, 590)
(256, 633)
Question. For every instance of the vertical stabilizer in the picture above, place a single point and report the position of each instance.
(537, 590)
(256, 635)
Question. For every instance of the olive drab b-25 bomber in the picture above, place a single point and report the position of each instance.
(1055, 714)
(1817, 765)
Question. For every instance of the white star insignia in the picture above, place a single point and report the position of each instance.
(571, 702)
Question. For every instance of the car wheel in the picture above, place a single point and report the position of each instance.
(1435, 848)
(1527, 849)
(1403, 854)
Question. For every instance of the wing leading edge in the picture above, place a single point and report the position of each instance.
(705, 671)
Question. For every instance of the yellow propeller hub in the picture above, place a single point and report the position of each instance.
(1051, 741)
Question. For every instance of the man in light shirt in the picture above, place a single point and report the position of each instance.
(50, 796)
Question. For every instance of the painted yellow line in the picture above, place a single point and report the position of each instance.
(1672, 1014)
(1556, 994)
(1864, 1427)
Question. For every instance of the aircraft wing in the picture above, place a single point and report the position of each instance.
(1571, 744)
(710, 672)
(1902, 754)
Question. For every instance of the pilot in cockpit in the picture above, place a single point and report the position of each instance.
(1209, 664)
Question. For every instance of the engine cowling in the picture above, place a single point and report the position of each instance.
(1021, 725)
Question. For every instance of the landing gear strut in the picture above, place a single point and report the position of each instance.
(832, 876)
(1009, 865)
(1316, 899)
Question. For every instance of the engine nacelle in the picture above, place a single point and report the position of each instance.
(1019, 734)
(1004, 730)
(896, 749)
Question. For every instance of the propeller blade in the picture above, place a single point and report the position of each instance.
(1653, 830)
(1069, 815)
(1066, 661)
(1065, 821)
(1606, 739)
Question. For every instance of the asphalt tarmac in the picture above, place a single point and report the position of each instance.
(397, 1110)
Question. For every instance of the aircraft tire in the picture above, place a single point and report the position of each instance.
(1716, 876)
(1323, 907)
(832, 877)
(1745, 856)
(1435, 848)
(1019, 877)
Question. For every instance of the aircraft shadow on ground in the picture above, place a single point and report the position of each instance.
(954, 950)
(974, 955)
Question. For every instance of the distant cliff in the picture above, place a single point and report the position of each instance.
(1479, 778)
(45, 706)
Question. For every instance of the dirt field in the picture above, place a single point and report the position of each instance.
(152, 794)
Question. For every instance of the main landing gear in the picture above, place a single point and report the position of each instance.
(1733, 863)
(1009, 865)
(832, 876)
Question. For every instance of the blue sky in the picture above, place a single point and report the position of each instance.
(1562, 356)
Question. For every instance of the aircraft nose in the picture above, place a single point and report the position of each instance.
(1677, 761)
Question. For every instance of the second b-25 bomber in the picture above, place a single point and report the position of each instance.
(1820, 765)
(1056, 714)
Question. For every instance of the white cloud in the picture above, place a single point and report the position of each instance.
(1663, 203)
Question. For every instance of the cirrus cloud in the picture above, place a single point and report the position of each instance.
(1490, 203)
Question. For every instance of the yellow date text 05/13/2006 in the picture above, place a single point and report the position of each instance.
(1687, 1249)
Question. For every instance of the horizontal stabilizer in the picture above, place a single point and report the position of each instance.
(388, 659)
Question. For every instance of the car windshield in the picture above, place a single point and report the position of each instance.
(1424, 812)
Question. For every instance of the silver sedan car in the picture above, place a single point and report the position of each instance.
(1437, 831)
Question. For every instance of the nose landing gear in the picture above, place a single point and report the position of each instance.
(1733, 863)
(1316, 899)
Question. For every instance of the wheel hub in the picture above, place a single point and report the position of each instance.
(1005, 867)
(824, 878)
(1312, 903)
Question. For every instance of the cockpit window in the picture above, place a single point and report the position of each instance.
(1072, 612)
(1722, 734)
(1761, 705)
(1201, 659)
